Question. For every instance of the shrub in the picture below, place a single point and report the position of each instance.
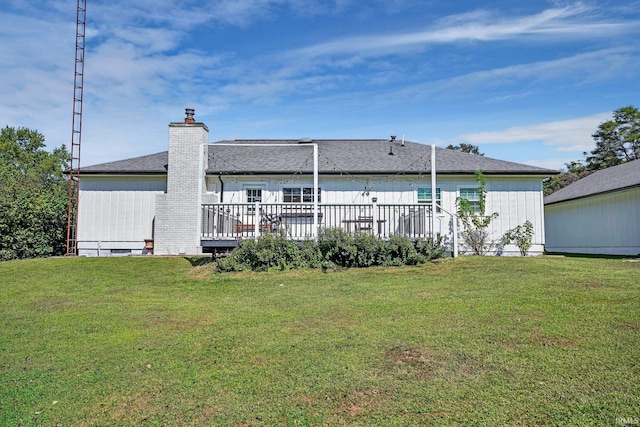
(368, 250)
(269, 252)
(230, 263)
(522, 236)
(431, 248)
(334, 248)
(337, 246)
(399, 249)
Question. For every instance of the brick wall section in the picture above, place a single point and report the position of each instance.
(176, 223)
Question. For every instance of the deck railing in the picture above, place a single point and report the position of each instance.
(233, 221)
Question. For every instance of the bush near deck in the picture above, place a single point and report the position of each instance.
(334, 248)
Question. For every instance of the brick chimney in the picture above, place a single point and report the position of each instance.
(177, 210)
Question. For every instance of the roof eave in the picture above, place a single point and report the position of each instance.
(389, 172)
(120, 173)
(615, 190)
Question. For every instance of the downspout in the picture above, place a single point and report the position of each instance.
(221, 187)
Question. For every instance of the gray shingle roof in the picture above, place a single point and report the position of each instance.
(352, 156)
(615, 178)
(150, 164)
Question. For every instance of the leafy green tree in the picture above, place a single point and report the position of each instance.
(466, 148)
(475, 224)
(617, 140)
(574, 171)
(33, 196)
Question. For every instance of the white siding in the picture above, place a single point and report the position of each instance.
(116, 213)
(606, 224)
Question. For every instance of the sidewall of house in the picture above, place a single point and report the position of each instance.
(607, 224)
(116, 214)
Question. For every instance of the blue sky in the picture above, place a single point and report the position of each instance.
(526, 81)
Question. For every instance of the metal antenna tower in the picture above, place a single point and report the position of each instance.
(76, 134)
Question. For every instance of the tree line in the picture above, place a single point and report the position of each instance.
(33, 196)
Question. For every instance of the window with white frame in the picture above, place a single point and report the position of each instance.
(424, 196)
(472, 195)
(254, 195)
(299, 194)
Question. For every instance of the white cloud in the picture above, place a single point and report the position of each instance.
(564, 135)
(481, 26)
(556, 163)
(579, 69)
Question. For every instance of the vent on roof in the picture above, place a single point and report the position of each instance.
(305, 141)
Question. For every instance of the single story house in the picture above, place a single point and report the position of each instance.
(199, 197)
(598, 214)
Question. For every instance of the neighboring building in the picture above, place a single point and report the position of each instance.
(200, 196)
(598, 214)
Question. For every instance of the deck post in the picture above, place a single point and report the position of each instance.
(375, 226)
(433, 190)
(454, 218)
(315, 192)
(256, 219)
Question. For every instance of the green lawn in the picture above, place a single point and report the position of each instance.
(471, 341)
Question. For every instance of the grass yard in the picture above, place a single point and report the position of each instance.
(471, 341)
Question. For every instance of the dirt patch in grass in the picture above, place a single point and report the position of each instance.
(126, 408)
(425, 364)
(202, 272)
(591, 284)
(508, 344)
(532, 316)
(519, 316)
(628, 326)
(360, 402)
(52, 304)
(550, 341)
(404, 355)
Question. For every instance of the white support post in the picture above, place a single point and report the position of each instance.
(454, 218)
(201, 172)
(433, 190)
(315, 191)
(375, 226)
(257, 217)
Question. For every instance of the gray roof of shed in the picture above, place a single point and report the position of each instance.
(616, 178)
(353, 156)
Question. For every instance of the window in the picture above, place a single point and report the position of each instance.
(473, 196)
(254, 195)
(424, 196)
(297, 194)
